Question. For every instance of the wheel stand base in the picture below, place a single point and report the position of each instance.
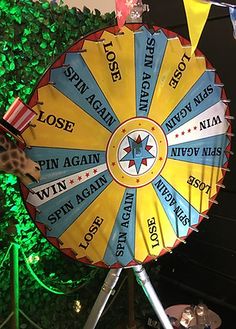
(109, 284)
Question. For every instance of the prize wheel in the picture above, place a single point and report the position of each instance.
(132, 136)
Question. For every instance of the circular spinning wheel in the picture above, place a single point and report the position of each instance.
(132, 138)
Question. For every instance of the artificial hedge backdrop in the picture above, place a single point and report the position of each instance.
(32, 35)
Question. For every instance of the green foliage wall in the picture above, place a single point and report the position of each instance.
(32, 35)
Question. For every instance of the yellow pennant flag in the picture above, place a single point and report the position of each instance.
(197, 12)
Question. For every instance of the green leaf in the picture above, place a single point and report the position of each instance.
(40, 69)
(27, 31)
(27, 90)
(46, 36)
(17, 19)
(54, 27)
(12, 66)
(43, 44)
(45, 5)
(24, 39)
(34, 62)
(2, 71)
(2, 57)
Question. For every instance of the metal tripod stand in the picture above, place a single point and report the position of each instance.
(110, 282)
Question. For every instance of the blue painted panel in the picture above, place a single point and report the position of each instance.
(201, 96)
(56, 163)
(207, 151)
(121, 243)
(77, 83)
(63, 210)
(149, 52)
(178, 210)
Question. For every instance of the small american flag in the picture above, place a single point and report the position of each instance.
(123, 8)
(232, 12)
(18, 116)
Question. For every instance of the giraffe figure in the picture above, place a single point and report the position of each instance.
(13, 160)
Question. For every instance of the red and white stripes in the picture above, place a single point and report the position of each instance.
(19, 115)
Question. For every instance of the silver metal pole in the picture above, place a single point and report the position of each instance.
(15, 291)
(104, 294)
(144, 281)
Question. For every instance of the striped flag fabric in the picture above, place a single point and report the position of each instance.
(232, 12)
(18, 116)
(123, 8)
(219, 3)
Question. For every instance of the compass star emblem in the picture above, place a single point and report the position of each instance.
(137, 152)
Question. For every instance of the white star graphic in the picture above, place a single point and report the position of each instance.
(119, 14)
(129, 3)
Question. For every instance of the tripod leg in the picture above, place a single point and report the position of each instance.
(104, 294)
(144, 281)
